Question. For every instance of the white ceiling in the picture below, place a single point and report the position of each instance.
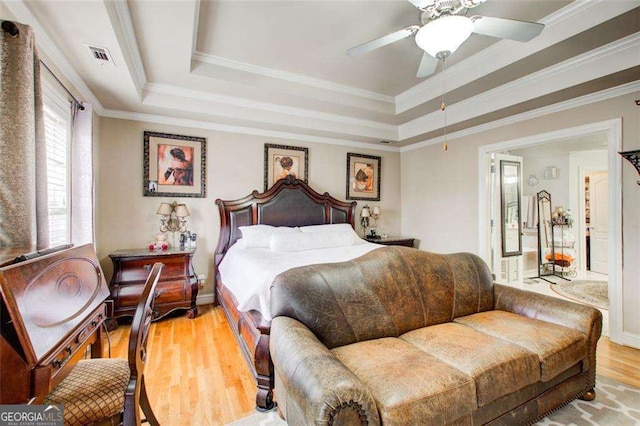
(279, 68)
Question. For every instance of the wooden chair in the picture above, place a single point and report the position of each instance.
(111, 391)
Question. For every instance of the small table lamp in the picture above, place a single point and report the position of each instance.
(375, 213)
(364, 218)
(174, 218)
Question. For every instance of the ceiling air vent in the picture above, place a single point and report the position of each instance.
(101, 55)
(385, 142)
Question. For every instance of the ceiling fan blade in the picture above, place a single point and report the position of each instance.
(420, 4)
(506, 28)
(428, 65)
(383, 41)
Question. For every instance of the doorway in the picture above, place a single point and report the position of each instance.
(599, 217)
(611, 129)
(584, 166)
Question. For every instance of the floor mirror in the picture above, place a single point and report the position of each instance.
(546, 245)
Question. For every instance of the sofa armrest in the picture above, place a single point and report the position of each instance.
(569, 314)
(319, 388)
(547, 308)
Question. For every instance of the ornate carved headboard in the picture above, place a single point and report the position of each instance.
(290, 202)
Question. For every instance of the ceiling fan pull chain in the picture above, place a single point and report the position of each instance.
(443, 106)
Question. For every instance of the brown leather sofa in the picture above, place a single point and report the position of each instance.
(401, 336)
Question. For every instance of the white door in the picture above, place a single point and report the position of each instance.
(506, 223)
(599, 222)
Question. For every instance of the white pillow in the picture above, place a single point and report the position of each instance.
(310, 241)
(334, 227)
(331, 227)
(257, 236)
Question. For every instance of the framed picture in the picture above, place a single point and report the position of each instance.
(174, 165)
(363, 177)
(281, 161)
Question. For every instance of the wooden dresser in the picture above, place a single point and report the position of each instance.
(176, 289)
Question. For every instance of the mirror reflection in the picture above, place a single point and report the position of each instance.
(545, 231)
(511, 211)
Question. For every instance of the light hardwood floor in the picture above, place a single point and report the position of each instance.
(196, 375)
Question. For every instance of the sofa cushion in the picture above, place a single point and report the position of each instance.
(557, 347)
(408, 383)
(497, 366)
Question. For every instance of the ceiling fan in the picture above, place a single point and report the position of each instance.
(444, 28)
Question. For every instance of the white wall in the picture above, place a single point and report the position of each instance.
(558, 187)
(440, 189)
(125, 219)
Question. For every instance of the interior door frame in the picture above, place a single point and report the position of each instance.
(613, 130)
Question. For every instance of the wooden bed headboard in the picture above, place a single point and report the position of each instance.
(290, 202)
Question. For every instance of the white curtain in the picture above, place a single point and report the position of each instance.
(82, 182)
(23, 163)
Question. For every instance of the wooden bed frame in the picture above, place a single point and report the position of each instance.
(290, 202)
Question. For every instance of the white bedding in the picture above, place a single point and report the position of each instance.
(248, 273)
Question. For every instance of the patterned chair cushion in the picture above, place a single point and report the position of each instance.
(93, 391)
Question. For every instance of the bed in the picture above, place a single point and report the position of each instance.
(291, 203)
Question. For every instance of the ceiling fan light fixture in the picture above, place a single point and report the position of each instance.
(444, 35)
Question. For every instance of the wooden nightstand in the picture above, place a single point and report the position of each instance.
(176, 289)
(392, 241)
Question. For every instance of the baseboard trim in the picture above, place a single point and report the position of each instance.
(630, 339)
(205, 299)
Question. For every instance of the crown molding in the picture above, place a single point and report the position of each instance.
(120, 17)
(290, 77)
(194, 29)
(252, 131)
(599, 127)
(618, 55)
(566, 22)
(46, 44)
(591, 98)
(269, 107)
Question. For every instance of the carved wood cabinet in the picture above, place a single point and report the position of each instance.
(176, 289)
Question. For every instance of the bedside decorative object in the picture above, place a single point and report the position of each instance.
(364, 218)
(188, 240)
(634, 158)
(160, 243)
(174, 218)
(368, 218)
(176, 289)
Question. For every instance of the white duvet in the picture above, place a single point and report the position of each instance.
(248, 273)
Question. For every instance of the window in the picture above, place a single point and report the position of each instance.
(57, 123)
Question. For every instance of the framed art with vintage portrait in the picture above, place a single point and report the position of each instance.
(174, 165)
(282, 160)
(363, 177)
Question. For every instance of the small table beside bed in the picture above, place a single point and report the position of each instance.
(262, 235)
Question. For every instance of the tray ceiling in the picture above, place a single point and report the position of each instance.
(279, 68)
